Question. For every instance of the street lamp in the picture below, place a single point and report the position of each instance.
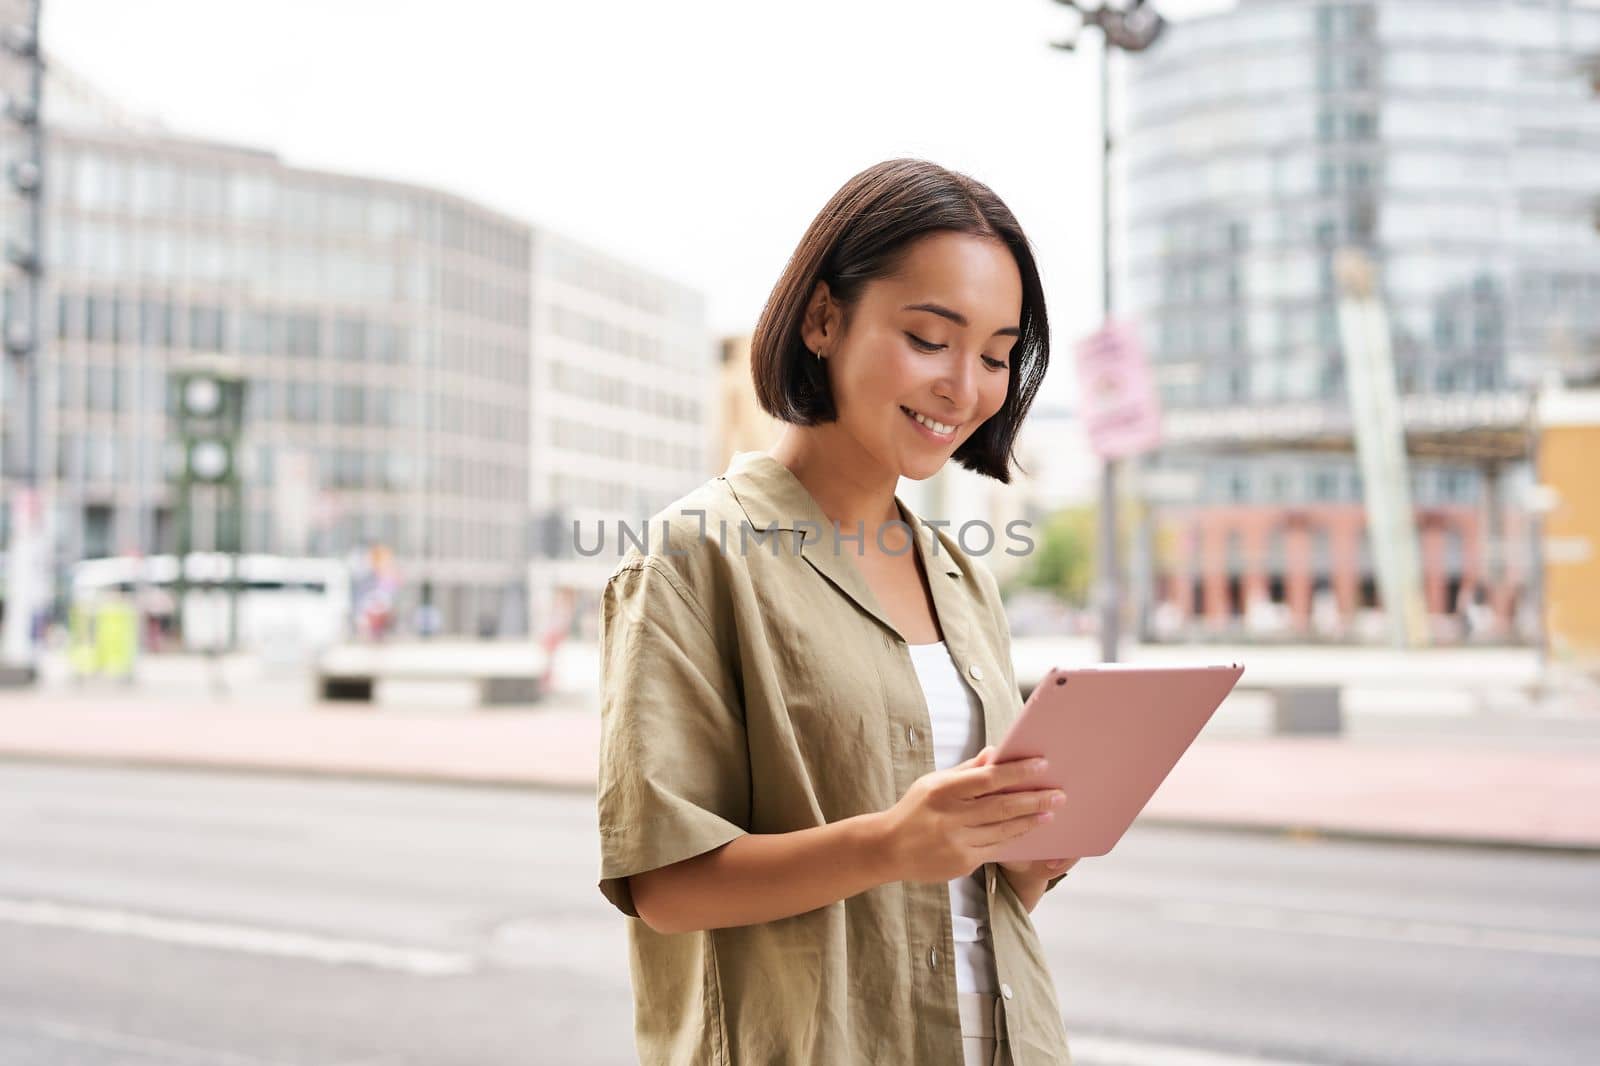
(209, 401)
(1132, 29)
(20, 342)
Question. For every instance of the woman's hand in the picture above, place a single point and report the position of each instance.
(952, 821)
(1040, 870)
(1028, 878)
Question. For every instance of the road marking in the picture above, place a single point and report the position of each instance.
(1112, 1051)
(1406, 930)
(252, 940)
(171, 1051)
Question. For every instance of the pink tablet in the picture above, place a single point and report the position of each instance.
(1112, 733)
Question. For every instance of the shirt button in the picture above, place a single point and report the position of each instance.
(933, 958)
(976, 671)
(1005, 990)
(911, 735)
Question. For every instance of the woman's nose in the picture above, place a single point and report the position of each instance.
(958, 386)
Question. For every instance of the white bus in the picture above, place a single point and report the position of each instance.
(287, 606)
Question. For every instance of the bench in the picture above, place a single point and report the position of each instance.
(487, 675)
(363, 687)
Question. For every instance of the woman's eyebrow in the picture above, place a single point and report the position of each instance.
(958, 318)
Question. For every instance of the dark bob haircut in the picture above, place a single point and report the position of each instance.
(863, 233)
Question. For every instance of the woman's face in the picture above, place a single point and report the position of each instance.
(931, 344)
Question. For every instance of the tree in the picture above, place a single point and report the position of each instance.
(1064, 558)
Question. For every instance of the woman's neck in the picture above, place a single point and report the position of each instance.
(849, 486)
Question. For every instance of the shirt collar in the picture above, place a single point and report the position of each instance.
(773, 498)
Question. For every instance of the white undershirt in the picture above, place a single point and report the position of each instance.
(957, 719)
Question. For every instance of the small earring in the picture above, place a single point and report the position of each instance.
(819, 353)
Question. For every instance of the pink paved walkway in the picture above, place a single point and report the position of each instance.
(554, 748)
(1468, 794)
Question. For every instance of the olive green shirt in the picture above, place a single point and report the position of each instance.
(756, 686)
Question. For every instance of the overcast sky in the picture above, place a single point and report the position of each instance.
(694, 138)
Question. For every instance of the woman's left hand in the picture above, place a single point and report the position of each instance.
(1039, 870)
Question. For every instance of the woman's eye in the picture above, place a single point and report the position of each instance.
(995, 364)
(927, 346)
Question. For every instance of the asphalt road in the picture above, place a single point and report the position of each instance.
(155, 918)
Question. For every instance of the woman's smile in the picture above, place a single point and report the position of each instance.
(934, 430)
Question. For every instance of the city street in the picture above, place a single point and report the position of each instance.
(179, 918)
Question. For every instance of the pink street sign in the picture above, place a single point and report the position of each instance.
(1117, 395)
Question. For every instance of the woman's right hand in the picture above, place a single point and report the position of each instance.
(952, 821)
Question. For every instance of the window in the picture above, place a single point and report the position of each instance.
(102, 388)
(302, 401)
(206, 328)
(260, 402)
(1361, 125)
(260, 333)
(99, 314)
(301, 335)
(155, 323)
(349, 339)
(349, 404)
(66, 303)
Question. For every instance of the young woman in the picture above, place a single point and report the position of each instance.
(802, 680)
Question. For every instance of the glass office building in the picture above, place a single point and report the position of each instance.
(424, 373)
(1458, 145)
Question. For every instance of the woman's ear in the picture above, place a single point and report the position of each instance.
(819, 328)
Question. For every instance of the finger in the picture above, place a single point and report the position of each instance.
(992, 777)
(998, 833)
(998, 806)
(980, 759)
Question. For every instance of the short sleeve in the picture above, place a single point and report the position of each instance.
(674, 775)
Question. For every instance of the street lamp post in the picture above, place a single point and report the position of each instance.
(21, 346)
(1132, 29)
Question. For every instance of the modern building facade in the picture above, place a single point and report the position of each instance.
(1458, 145)
(424, 373)
(622, 416)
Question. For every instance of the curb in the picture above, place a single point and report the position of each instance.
(1312, 834)
(1303, 832)
(309, 773)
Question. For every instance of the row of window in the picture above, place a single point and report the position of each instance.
(125, 320)
(1317, 379)
(1241, 483)
(269, 400)
(446, 538)
(283, 269)
(1345, 73)
(620, 392)
(397, 471)
(607, 443)
(598, 333)
(105, 458)
(1334, 124)
(620, 285)
(635, 504)
(147, 186)
(97, 386)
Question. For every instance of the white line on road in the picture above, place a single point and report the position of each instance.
(148, 1047)
(1404, 930)
(418, 962)
(1114, 1051)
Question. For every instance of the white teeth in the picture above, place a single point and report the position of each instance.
(937, 427)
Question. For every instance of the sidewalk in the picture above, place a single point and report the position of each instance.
(1544, 796)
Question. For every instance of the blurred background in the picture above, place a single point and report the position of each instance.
(325, 325)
